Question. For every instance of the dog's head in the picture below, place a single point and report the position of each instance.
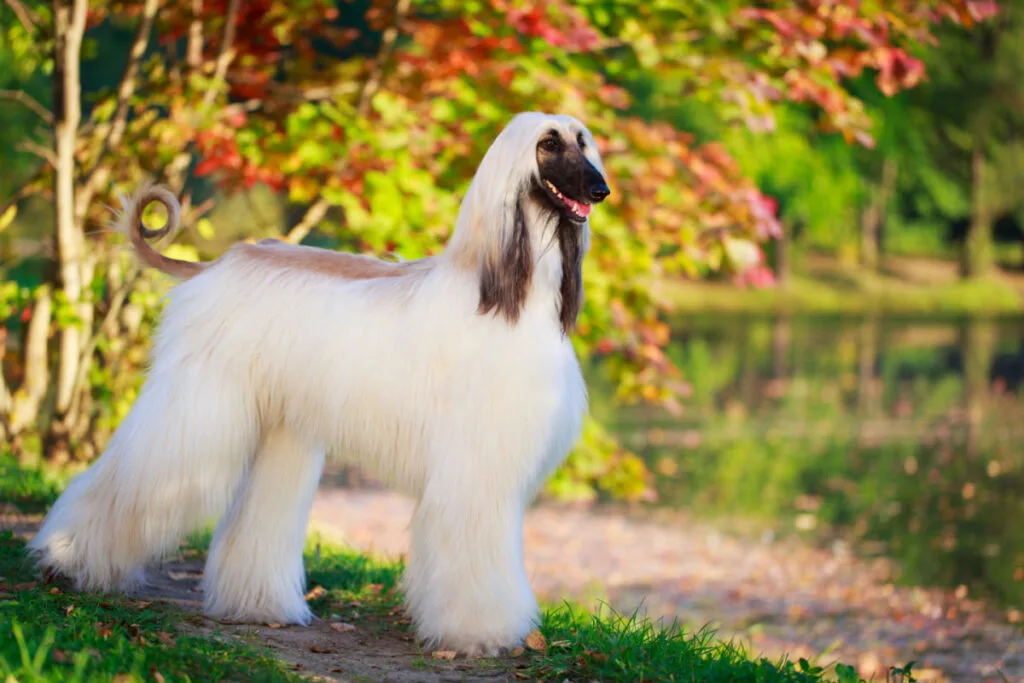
(568, 176)
(536, 185)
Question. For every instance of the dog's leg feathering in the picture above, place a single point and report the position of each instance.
(171, 466)
(254, 572)
(466, 585)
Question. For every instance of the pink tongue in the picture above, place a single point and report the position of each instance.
(581, 209)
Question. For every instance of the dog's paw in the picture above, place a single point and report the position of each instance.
(470, 649)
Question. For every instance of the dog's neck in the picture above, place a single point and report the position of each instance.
(557, 251)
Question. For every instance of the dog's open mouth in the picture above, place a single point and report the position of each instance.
(577, 210)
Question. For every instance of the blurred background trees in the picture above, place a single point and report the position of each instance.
(742, 139)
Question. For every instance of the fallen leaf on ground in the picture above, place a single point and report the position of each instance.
(60, 656)
(54, 591)
(24, 586)
(342, 628)
(274, 625)
(165, 638)
(68, 610)
(321, 650)
(869, 665)
(102, 630)
(317, 592)
(444, 654)
(518, 652)
(535, 640)
(158, 677)
(143, 604)
(375, 587)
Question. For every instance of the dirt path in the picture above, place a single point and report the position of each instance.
(774, 596)
(319, 651)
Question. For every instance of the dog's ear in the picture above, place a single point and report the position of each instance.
(573, 244)
(506, 267)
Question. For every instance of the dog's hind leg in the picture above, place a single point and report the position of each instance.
(170, 467)
(254, 572)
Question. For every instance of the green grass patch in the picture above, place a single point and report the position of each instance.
(28, 488)
(348, 586)
(611, 647)
(49, 635)
(808, 295)
(826, 285)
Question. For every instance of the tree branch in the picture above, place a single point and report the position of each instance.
(44, 153)
(314, 214)
(30, 102)
(194, 47)
(5, 394)
(387, 46)
(24, 15)
(23, 191)
(125, 89)
(227, 53)
(318, 209)
(116, 304)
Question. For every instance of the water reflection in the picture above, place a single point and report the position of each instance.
(903, 437)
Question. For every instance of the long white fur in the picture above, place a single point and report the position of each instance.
(258, 372)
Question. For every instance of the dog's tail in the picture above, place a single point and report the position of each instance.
(129, 222)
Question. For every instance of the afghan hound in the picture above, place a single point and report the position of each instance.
(451, 378)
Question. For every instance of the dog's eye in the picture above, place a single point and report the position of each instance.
(551, 144)
(580, 140)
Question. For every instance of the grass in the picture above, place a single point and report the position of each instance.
(615, 647)
(29, 489)
(49, 635)
(823, 284)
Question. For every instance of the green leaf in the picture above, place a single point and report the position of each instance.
(205, 228)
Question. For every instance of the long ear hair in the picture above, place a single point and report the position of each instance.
(491, 231)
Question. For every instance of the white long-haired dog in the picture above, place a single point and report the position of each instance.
(451, 378)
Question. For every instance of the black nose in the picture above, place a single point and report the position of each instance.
(598, 191)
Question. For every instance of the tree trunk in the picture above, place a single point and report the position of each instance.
(874, 216)
(26, 402)
(781, 264)
(867, 359)
(781, 340)
(69, 27)
(977, 349)
(977, 256)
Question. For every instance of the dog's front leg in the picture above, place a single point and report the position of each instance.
(466, 584)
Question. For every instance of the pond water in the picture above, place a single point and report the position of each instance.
(902, 438)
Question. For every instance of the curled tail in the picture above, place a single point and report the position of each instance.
(129, 222)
